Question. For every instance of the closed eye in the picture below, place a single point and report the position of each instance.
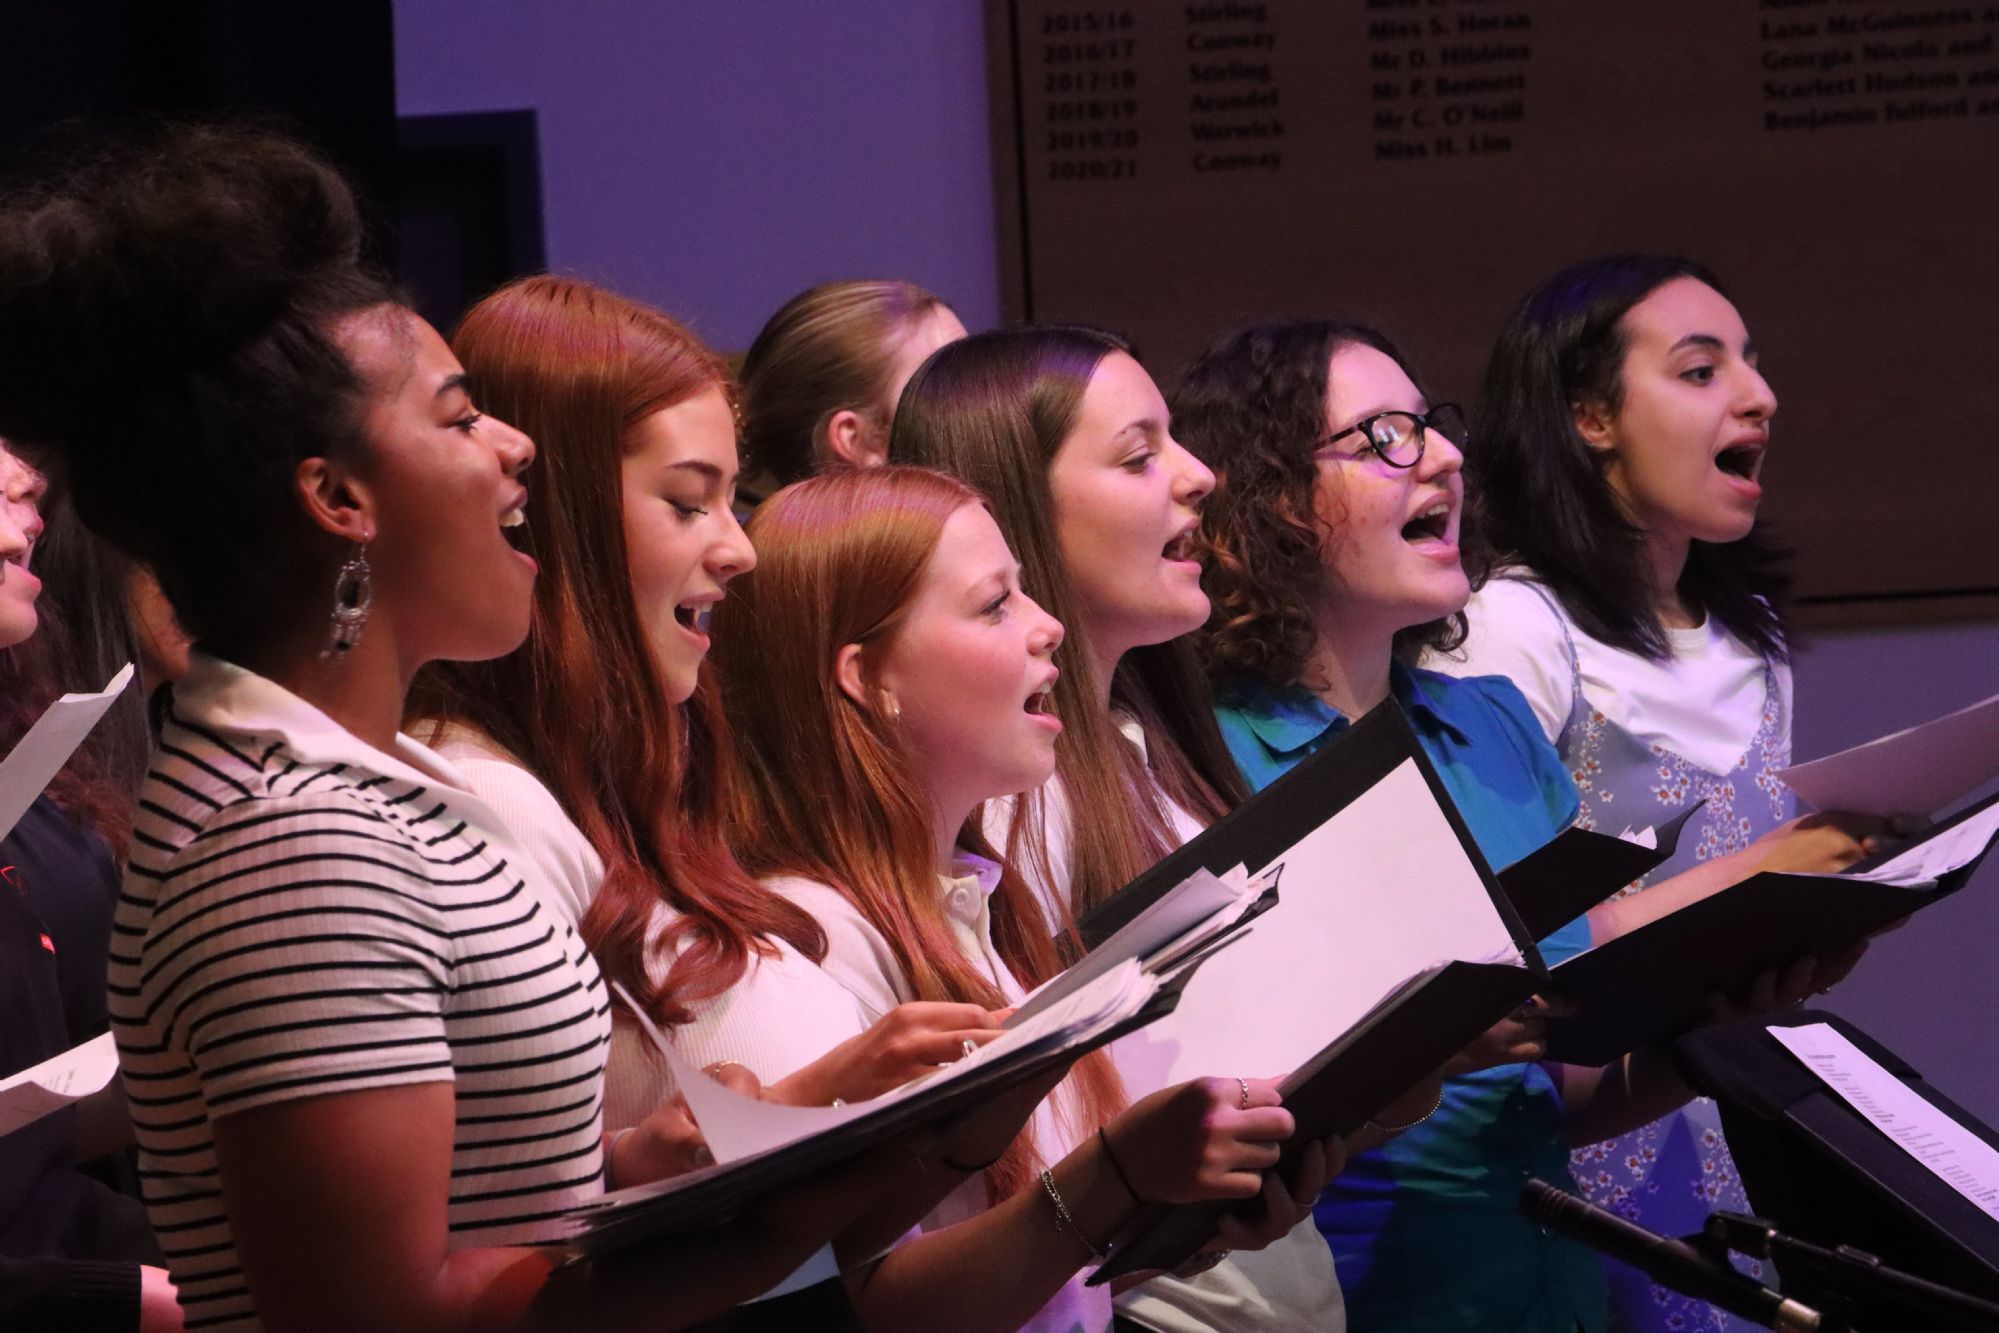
(997, 605)
(687, 511)
(468, 421)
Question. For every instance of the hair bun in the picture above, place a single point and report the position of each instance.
(155, 259)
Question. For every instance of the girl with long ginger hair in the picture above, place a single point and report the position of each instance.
(618, 791)
(885, 675)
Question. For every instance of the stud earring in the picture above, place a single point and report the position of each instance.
(891, 707)
(353, 593)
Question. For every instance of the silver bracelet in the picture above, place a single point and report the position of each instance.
(1064, 1222)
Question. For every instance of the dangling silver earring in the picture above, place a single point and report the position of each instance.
(353, 592)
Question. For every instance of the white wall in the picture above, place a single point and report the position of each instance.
(715, 157)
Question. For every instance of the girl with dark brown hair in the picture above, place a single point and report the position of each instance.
(1071, 440)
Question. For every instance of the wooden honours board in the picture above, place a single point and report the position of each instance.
(1171, 169)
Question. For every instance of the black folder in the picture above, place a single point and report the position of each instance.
(1575, 871)
(708, 1197)
(1419, 1025)
(1654, 983)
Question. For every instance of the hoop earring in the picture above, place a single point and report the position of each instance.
(353, 593)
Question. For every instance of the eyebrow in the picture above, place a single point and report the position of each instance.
(460, 381)
(705, 468)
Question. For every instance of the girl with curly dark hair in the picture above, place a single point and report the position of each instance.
(1332, 548)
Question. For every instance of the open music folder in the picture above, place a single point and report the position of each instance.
(1654, 983)
(1391, 947)
(761, 1147)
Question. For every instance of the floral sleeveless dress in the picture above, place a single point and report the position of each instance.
(1669, 1175)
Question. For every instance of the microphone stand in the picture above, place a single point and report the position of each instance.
(1673, 1262)
(1854, 1276)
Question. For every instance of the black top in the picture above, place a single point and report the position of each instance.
(60, 887)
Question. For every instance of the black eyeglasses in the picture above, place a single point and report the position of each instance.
(1397, 437)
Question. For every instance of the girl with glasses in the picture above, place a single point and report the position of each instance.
(1332, 549)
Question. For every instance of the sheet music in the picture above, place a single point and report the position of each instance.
(27, 769)
(1921, 770)
(1377, 894)
(1932, 859)
(56, 1082)
(1953, 1153)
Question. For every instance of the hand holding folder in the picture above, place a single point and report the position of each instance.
(763, 1148)
(1654, 983)
(1391, 948)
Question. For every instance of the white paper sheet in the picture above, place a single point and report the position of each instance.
(25, 772)
(1958, 1157)
(1201, 900)
(1378, 893)
(1931, 860)
(56, 1082)
(1921, 771)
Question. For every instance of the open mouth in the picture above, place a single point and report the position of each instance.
(1041, 703)
(1433, 524)
(513, 524)
(1740, 460)
(694, 616)
(1181, 547)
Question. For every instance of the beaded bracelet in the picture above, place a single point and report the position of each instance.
(1397, 1129)
(1064, 1222)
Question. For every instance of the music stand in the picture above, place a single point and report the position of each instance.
(1820, 1171)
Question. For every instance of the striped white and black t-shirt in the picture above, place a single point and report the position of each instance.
(305, 915)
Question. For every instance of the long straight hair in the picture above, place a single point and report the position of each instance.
(994, 409)
(830, 792)
(1540, 496)
(582, 703)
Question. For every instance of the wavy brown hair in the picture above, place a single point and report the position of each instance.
(1253, 408)
(993, 409)
(581, 703)
(830, 793)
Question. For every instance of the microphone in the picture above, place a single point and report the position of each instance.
(1672, 1262)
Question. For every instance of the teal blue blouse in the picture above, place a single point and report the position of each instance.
(1425, 1230)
